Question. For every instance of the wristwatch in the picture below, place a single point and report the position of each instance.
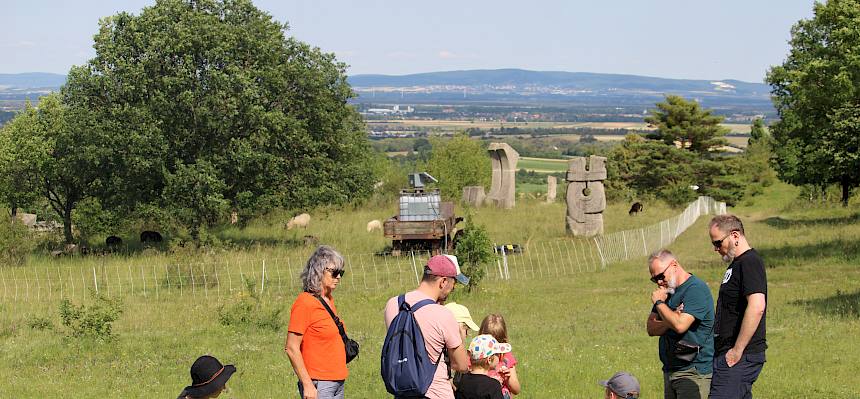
(658, 302)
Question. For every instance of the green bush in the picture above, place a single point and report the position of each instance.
(91, 219)
(16, 243)
(91, 321)
(474, 251)
(40, 323)
(249, 309)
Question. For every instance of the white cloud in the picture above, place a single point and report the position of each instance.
(445, 54)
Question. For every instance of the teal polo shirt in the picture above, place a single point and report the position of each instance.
(699, 303)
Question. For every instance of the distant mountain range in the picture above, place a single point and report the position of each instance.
(561, 80)
(512, 86)
(523, 86)
(31, 80)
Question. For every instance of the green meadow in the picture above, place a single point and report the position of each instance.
(568, 329)
(544, 165)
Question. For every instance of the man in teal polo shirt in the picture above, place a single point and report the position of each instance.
(683, 318)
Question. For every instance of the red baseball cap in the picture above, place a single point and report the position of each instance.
(446, 266)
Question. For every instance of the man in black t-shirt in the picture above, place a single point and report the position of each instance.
(739, 329)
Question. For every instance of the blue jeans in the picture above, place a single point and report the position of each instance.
(325, 389)
(735, 382)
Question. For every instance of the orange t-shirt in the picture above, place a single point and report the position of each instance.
(322, 347)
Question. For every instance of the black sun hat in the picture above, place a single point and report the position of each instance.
(207, 376)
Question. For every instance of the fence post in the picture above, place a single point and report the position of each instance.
(600, 252)
(4, 285)
(499, 264)
(644, 245)
(263, 278)
(624, 240)
(95, 280)
(414, 268)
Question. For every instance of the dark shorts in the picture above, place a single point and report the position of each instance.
(735, 382)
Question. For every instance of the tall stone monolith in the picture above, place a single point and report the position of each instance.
(586, 197)
(503, 188)
(551, 188)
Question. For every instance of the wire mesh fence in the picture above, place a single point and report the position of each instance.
(228, 274)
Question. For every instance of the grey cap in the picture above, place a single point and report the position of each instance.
(623, 384)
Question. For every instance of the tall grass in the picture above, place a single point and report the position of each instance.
(567, 331)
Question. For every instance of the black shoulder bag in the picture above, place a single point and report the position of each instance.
(686, 350)
(350, 345)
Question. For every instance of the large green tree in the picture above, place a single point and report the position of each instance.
(646, 168)
(228, 103)
(680, 121)
(459, 162)
(817, 94)
(23, 151)
(61, 153)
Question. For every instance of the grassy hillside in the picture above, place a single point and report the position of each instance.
(567, 330)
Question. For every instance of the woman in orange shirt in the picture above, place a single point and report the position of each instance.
(314, 345)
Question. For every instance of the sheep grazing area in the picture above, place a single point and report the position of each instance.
(568, 329)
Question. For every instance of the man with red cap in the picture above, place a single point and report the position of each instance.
(437, 323)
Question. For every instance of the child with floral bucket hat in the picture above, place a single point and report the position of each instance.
(485, 353)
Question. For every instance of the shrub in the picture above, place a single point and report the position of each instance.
(91, 321)
(249, 309)
(16, 243)
(40, 323)
(474, 250)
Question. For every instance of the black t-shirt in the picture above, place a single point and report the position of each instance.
(744, 276)
(478, 386)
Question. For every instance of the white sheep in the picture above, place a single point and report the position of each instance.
(374, 225)
(302, 221)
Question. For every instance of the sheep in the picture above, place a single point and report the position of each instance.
(302, 221)
(374, 225)
(636, 208)
(150, 236)
(113, 241)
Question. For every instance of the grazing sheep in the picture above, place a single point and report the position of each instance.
(113, 241)
(374, 225)
(302, 221)
(150, 236)
(636, 208)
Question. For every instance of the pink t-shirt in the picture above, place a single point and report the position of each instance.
(508, 360)
(439, 329)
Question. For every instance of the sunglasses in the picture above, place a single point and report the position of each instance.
(336, 273)
(661, 276)
(719, 243)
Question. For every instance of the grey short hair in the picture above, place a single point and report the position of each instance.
(312, 275)
(664, 255)
(727, 223)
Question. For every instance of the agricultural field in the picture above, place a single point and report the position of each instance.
(454, 125)
(542, 165)
(569, 327)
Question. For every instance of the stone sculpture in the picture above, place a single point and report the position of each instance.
(503, 189)
(551, 189)
(586, 197)
(474, 195)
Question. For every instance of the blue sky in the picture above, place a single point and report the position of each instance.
(727, 39)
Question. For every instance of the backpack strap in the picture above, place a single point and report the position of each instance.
(335, 318)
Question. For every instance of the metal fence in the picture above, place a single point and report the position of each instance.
(225, 274)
